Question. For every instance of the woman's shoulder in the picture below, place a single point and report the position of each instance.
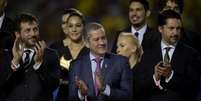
(57, 44)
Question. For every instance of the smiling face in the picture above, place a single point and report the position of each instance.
(64, 23)
(29, 33)
(97, 42)
(75, 28)
(137, 14)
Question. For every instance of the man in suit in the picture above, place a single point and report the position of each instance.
(189, 37)
(6, 28)
(98, 75)
(138, 15)
(29, 73)
(171, 70)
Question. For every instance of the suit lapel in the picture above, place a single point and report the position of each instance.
(87, 75)
(157, 53)
(128, 29)
(107, 65)
(147, 37)
(177, 55)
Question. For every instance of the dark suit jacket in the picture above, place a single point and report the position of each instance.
(185, 81)
(115, 72)
(7, 34)
(27, 84)
(150, 37)
(62, 50)
(193, 39)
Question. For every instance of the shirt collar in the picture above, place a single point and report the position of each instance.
(32, 51)
(163, 45)
(141, 31)
(1, 19)
(92, 57)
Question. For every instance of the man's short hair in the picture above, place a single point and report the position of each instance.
(91, 27)
(143, 2)
(180, 3)
(167, 14)
(24, 17)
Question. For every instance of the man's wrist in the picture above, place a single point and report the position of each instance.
(103, 88)
(15, 61)
(14, 66)
(157, 77)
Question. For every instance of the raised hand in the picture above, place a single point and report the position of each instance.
(39, 49)
(157, 72)
(17, 50)
(99, 81)
(167, 70)
(162, 69)
(81, 86)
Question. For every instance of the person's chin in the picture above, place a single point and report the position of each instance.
(30, 45)
(102, 52)
(172, 42)
(136, 24)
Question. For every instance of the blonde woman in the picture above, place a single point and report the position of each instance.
(128, 46)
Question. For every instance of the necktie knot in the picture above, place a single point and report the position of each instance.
(136, 34)
(97, 60)
(27, 58)
(167, 49)
(27, 51)
(166, 56)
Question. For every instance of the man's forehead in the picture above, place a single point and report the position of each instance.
(173, 22)
(97, 31)
(136, 4)
(171, 3)
(30, 23)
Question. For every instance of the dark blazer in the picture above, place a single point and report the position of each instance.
(191, 38)
(62, 50)
(184, 84)
(7, 34)
(150, 37)
(115, 72)
(4, 61)
(27, 84)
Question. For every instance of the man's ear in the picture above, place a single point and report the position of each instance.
(87, 44)
(160, 28)
(148, 13)
(17, 34)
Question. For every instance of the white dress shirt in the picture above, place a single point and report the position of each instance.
(170, 53)
(141, 32)
(36, 66)
(1, 19)
(93, 67)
